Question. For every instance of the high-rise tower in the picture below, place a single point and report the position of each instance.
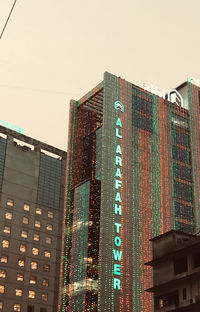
(133, 173)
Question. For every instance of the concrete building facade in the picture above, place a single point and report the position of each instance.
(32, 182)
(176, 272)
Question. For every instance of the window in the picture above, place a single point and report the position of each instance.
(31, 294)
(45, 282)
(44, 297)
(48, 240)
(26, 207)
(38, 211)
(8, 215)
(34, 265)
(20, 277)
(180, 265)
(18, 292)
(1, 305)
(21, 262)
(49, 227)
(10, 202)
(37, 224)
(196, 260)
(33, 280)
(6, 229)
(2, 289)
(50, 214)
(24, 234)
(43, 310)
(46, 267)
(2, 273)
(167, 300)
(35, 251)
(25, 220)
(30, 308)
(17, 307)
(22, 248)
(184, 294)
(4, 259)
(36, 237)
(5, 243)
(47, 254)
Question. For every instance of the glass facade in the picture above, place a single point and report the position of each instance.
(49, 181)
(2, 159)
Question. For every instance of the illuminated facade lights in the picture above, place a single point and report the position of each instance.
(133, 173)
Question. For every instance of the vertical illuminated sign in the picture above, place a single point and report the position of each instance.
(117, 253)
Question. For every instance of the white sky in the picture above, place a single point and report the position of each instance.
(55, 50)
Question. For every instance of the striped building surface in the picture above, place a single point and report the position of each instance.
(133, 173)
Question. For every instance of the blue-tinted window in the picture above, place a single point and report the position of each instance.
(2, 158)
(49, 181)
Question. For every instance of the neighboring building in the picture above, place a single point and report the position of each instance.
(32, 181)
(133, 172)
(176, 272)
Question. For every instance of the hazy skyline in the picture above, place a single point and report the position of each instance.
(56, 50)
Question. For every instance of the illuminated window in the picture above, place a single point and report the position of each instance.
(5, 243)
(34, 265)
(2, 289)
(38, 211)
(20, 277)
(17, 307)
(49, 227)
(25, 220)
(35, 251)
(2, 273)
(18, 292)
(10, 202)
(37, 224)
(22, 248)
(24, 234)
(4, 259)
(26, 207)
(1, 305)
(48, 240)
(45, 282)
(50, 214)
(33, 280)
(21, 263)
(47, 254)
(44, 297)
(46, 267)
(36, 237)
(31, 294)
(6, 229)
(8, 215)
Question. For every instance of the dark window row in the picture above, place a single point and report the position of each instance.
(181, 138)
(142, 122)
(140, 104)
(182, 172)
(184, 227)
(182, 191)
(183, 211)
(180, 154)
